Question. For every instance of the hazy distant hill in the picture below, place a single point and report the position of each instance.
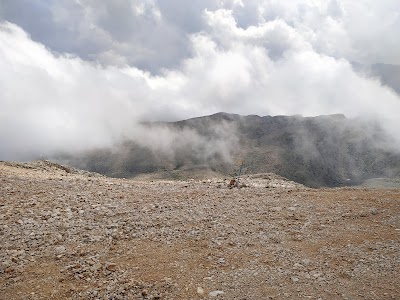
(316, 151)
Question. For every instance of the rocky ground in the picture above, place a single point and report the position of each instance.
(69, 234)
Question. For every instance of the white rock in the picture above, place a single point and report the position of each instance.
(294, 279)
(200, 290)
(60, 249)
(277, 208)
(215, 293)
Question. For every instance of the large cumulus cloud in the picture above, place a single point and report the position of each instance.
(152, 34)
(253, 57)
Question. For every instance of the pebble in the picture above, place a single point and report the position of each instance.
(294, 279)
(215, 293)
(111, 267)
(275, 209)
(306, 261)
(59, 237)
(60, 250)
(374, 211)
(200, 290)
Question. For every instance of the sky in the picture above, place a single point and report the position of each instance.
(76, 74)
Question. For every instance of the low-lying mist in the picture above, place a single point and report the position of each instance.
(161, 146)
(317, 151)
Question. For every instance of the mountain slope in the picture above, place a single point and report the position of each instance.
(316, 151)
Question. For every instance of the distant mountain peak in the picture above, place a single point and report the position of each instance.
(326, 150)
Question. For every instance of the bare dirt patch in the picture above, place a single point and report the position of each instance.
(66, 234)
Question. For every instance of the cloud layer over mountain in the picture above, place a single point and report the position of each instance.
(80, 74)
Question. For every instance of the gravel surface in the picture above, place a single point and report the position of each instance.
(70, 234)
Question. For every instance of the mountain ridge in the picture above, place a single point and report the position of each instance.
(326, 150)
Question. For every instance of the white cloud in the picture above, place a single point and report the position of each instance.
(364, 31)
(153, 34)
(52, 102)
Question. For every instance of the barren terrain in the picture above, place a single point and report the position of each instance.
(69, 234)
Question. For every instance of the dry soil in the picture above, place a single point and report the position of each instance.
(69, 234)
